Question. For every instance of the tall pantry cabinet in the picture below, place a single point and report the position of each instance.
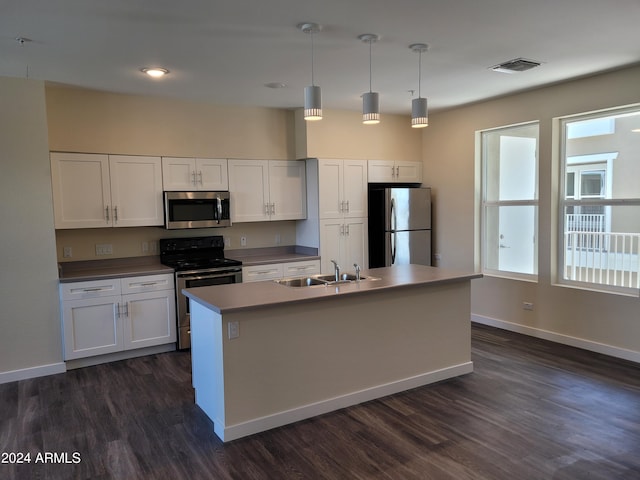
(337, 212)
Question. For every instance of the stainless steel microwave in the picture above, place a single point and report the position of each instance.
(196, 209)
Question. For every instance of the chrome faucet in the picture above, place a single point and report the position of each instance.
(337, 270)
(357, 267)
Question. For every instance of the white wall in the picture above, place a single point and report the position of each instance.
(29, 317)
(599, 321)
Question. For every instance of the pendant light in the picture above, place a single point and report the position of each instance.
(370, 100)
(419, 115)
(312, 93)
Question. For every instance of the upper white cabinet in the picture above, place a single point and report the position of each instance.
(194, 174)
(263, 190)
(95, 190)
(388, 171)
(342, 188)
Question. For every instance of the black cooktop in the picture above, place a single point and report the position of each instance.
(195, 253)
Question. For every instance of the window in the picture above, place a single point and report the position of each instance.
(600, 201)
(509, 217)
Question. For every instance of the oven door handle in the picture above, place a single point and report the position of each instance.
(207, 276)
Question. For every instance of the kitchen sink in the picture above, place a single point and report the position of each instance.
(300, 281)
(318, 280)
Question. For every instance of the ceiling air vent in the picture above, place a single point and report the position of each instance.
(515, 66)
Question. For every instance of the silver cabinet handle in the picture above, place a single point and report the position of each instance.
(106, 211)
(266, 209)
(200, 177)
(347, 230)
(273, 209)
(347, 206)
(193, 177)
(115, 214)
(397, 171)
(92, 289)
(393, 171)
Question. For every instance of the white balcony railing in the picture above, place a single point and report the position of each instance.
(607, 258)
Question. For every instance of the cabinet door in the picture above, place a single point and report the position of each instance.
(249, 190)
(211, 174)
(355, 188)
(331, 243)
(409, 172)
(92, 327)
(81, 195)
(148, 319)
(178, 173)
(381, 171)
(136, 190)
(258, 273)
(287, 190)
(355, 249)
(299, 269)
(330, 183)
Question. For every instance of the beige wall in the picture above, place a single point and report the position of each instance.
(341, 134)
(29, 318)
(576, 316)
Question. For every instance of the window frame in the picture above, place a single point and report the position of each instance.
(606, 202)
(485, 205)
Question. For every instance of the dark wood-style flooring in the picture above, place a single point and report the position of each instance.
(531, 410)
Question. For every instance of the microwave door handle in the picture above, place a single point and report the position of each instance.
(219, 209)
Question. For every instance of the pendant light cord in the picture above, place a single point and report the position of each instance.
(370, 72)
(312, 82)
(419, 73)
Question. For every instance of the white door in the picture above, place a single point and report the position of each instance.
(249, 190)
(178, 174)
(92, 327)
(149, 319)
(330, 181)
(355, 188)
(287, 190)
(211, 174)
(355, 239)
(331, 243)
(81, 193)
(136, 190)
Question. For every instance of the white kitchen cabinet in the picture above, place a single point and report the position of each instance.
(274, 271)
(185, 174)
(95, 190)
(108, 316)
(342, 188)
(263, 190)
(386, 171)
(345, 241)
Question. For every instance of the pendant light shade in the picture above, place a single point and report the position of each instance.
(370, 100)
(312, 93)
(419, 113)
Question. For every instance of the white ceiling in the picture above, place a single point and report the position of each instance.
(224, 52)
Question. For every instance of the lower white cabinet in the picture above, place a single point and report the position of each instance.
(107, 316)
(274, 271)
(345, 241)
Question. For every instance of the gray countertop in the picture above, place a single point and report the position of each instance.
(263, 256)
(112, 268)
(239, 296)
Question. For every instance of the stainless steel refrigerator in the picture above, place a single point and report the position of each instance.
(399, 225)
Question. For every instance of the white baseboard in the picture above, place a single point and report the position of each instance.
(592, 346)
(233, 432)
(32, 372)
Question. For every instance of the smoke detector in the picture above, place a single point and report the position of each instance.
(515, 66)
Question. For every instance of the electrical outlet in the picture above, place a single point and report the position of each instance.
(145, 247)
(104, 249)
(527, 305)
(154, 247)
(67, 252)
(243, 241)
(234, 330)
(227, 242)
(278, 239)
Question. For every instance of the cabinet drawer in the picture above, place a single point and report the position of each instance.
(258, 273)
(146, 283)
(90, 289)
(299, 269)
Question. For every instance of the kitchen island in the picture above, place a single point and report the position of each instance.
(266, 354)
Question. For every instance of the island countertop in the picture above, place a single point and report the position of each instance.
(240, 296)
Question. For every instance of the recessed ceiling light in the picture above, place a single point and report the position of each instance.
(155, 72)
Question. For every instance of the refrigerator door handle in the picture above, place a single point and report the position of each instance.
(392, 214)
(393, 248)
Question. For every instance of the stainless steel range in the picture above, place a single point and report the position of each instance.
(198, 262)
